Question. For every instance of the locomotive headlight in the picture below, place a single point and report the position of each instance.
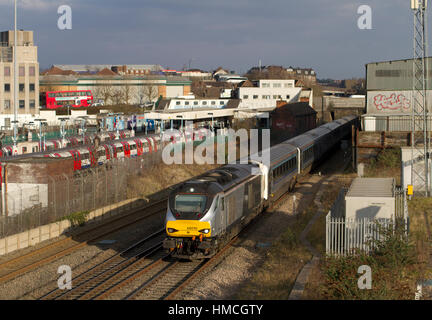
(204, 231)
(171, 230)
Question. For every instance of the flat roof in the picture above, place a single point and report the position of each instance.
(372, 187)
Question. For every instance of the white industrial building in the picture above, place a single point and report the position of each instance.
(265, 93)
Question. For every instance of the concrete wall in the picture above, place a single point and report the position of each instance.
(34, 236)
(174, 91)
(373, 208)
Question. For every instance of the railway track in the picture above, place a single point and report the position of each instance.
(35, 258)
(161, 277)
(174, 277)
(118, 268)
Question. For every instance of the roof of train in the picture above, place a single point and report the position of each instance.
(226, 176)
(331, 125)
(318, 132)
(280, 152)
(300, 141)
(71, 148)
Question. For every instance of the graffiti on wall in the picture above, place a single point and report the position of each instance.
(393, 102)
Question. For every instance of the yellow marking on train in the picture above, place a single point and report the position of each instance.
(188, 228)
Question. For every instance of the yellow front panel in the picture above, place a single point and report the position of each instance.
(188, 228)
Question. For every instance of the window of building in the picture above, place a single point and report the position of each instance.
(21, 71)
(288, 85)
(288, 96)
(32, 71)
(7, 71)
(275, 97)
(195, 103)
(266, 85)
(255, 96)
(277, 85)
(266, 97)
(22, 104)
(213, 103)
(7, 104)
(7, 87)
(204, 103)
(221, 103)
(21, 87)
(32, 87)
(177, 103)
(32, 104)
(245, 96)
(187, 103)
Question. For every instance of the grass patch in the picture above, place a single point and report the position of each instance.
(386, 164)
(161, 176)
(276, 277)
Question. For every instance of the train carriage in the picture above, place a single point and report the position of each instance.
(206, 212)
(283, 169)
(305, 152)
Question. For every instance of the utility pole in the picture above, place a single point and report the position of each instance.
(420, 147)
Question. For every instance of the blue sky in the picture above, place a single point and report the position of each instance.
(321, 34)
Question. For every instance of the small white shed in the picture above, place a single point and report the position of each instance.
(372, 198)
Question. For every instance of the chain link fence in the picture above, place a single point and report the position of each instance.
(28, 206)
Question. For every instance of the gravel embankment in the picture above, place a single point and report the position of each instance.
(36, 283)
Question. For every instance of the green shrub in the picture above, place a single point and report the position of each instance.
(394, 265)
(77, 218)
(389, 158)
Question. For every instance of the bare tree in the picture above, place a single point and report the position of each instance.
(140, 94)
(150, 93)
(117, 96)
(105, 92)
(127, 92)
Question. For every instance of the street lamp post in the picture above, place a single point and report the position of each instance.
(181, 122)
(83, 128)
(63, 131)
(15, 138)
(212, 125)
(41, 135)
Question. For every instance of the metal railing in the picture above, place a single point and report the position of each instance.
(347, 235)
(393, 123)
(28, 207)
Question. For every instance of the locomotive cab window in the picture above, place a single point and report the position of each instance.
(190, 203)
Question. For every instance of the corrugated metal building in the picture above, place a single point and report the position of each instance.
(389, 95)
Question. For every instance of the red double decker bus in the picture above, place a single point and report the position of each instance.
(74, 99)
